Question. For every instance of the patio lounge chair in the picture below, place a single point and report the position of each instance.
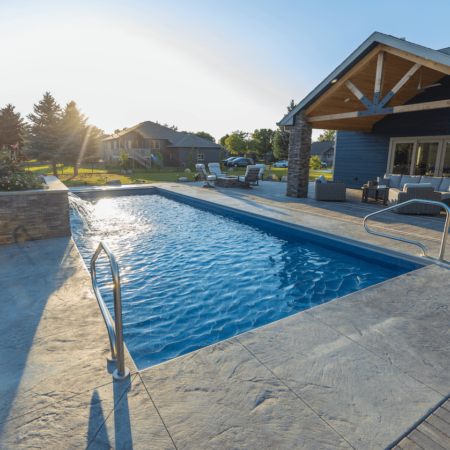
(214, 169)
(262, 168)
(251, 176)
(330, 191)
(204, 176)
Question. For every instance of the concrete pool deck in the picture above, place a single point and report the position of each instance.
(358, 372)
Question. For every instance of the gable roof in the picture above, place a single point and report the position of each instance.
(438, 56)
(319, 148)
(152, 130)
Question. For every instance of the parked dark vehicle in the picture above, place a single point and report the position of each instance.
(226, 161)
(240, 162)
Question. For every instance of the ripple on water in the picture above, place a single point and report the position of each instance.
(192, 278)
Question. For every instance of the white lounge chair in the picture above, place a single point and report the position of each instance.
(214, 169)
(204, 176)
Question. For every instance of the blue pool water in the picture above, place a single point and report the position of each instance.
(191, 278)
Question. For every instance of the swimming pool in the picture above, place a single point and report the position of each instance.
(195, 275)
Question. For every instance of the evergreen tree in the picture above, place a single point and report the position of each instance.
(46, 130)
(327, 135)
(281, 139)
(74, 136)
(12, 127)
(264, 141)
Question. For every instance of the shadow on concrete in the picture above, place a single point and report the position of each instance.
(122, 421)
(30, 273)
(96, 417)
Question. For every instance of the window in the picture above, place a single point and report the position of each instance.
(200, 157)
(156, 144)
(426, 156)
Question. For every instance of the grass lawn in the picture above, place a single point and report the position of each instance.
(87, 177)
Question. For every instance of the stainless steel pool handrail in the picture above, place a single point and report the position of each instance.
(115, 332)
(416, 200)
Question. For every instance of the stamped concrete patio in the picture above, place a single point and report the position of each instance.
(359, 372)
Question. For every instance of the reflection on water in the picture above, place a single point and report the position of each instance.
(192, 278)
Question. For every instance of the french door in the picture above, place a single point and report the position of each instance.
(427, 156)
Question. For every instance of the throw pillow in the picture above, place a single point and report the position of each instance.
(434, 181)
(445, 184)
(322, 179)
(394, 180)
(416, 185)
(383, 181)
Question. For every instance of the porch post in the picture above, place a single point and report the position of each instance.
(299, 156)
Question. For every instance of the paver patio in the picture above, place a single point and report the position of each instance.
(358, 372)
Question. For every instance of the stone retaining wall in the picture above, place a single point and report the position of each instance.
(35, 215)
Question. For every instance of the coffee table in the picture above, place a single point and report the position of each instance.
(227, 182)
(375, 193)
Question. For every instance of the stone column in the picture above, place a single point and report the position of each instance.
(299, 156)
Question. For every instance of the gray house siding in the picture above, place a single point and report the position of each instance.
(210, 155)
(361, 157)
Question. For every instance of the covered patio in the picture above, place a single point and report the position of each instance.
(389, 102)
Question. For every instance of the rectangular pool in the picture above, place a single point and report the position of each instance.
(194, 273)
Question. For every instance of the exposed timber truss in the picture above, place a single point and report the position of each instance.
(379, 105)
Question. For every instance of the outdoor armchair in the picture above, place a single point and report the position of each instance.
(251, 176)
(331, 191)
(204, 176)
(214, 169)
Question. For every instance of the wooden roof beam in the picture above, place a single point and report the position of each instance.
(393, 110)
(353, 71)
(379, 77)
(359, 94)
(400, 84)
(439, 67)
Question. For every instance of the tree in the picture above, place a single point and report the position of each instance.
(191, 163)
(74, 134)
(236, 143)
(46, 130)
(80, 140)
(123, 161)
(12, 127)
(201, 134)
(264, 141)
(315, 163)
(328, 135)
(223, 139)
(281, 139)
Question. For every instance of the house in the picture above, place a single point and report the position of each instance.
(390, 102)
(324, 150)
(147, 138)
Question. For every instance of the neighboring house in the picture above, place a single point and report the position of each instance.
(390, 102)
(324, 150)
(147, 138)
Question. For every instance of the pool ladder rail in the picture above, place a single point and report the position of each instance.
(417, 200)
(114, 330)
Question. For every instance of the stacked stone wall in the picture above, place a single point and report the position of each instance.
(28, 216)
(299, 156)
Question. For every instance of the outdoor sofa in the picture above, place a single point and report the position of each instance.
(407, 187)
(329, 191)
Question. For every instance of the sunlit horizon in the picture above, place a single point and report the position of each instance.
(201, 67)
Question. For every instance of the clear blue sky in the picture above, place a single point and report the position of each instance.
(214, 66)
